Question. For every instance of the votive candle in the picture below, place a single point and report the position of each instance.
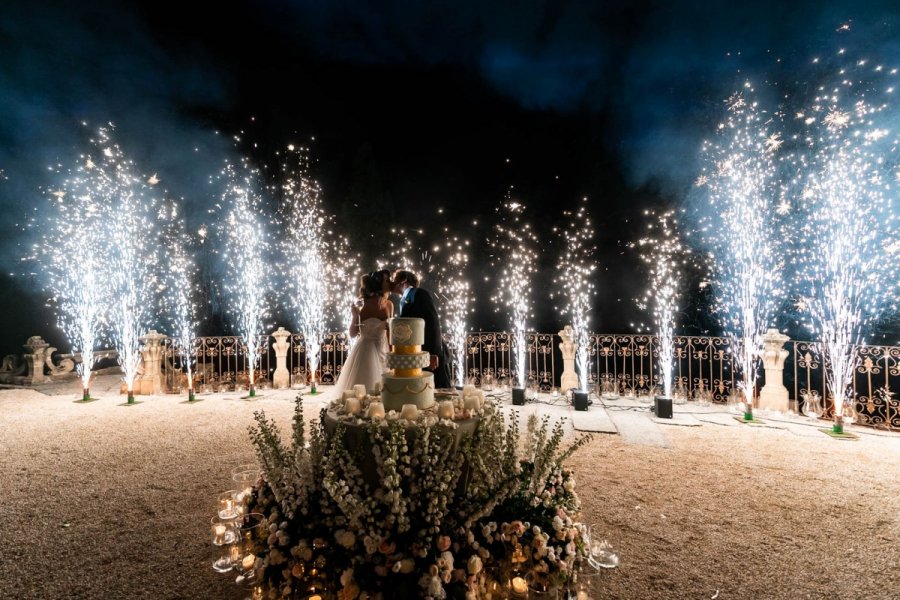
(219, 534)
(445, 409)
(375, 411)
(248, 562)
(351, 405)
(518, 586)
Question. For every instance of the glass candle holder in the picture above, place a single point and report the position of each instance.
(243, 485)
(251, 529)
(487, 382)
(222, 531)
(250, 468)
(227, 559)
(540, 588)
(226, 508)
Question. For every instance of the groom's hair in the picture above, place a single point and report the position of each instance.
(409, 277)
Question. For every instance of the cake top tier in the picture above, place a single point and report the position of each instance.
(407, 332)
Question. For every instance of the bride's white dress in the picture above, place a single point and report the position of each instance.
(366, 362)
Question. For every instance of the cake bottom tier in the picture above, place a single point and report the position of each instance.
(397, 391)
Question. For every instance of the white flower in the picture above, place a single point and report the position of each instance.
(435, 588)
(474, 566)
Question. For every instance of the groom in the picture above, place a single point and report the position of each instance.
(416, 302)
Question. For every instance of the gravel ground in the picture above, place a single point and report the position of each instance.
(105, 501)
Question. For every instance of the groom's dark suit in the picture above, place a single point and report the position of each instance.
(419, 304)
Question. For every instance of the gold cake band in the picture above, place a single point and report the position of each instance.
(407, 372)
(407, 349)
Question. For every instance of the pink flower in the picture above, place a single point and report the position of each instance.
(443, 543)
(381, 571)
(387, 547)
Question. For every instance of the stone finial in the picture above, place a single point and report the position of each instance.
(569, 378)
(773, 395)
(281, 378)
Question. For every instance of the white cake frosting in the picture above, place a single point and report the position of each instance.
(398, 391)
(407, 331)
(407, 383)
(419, 360)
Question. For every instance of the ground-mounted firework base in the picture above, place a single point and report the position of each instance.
(427, 507)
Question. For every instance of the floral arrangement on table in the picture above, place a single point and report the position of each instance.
(449, 517)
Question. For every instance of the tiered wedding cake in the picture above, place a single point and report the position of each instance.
(408, 384)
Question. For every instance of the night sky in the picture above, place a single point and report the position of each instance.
(412, 107)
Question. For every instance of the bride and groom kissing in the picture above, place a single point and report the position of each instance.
(367, 360)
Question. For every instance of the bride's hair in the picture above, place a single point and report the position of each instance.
(371, 284)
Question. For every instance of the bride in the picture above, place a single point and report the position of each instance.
(366, 361)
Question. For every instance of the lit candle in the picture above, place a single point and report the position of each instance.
(468, 390)
(226, 508)
(582, 595)
(219, 533)
(257, 593)
(409, 412)
(235, 554)
(351, 405)
(471, 403)
(315, 597)
(248, 562)
(359, 390)
(348, 394)
(445, 409)
(375, 411)
(518, 585)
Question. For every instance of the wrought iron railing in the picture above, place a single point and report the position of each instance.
(704, 367)
(221, 363)
(876, 381)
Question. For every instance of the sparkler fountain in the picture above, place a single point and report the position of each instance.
(304, 248)
(848, 217)
(458, 299)
(181, 290)
(134, 260)
(71, 256)
(663, 251)
(574, 282)
(741, 185)
(515, 257)
(245, 245)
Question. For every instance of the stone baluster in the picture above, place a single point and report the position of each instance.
(150, 381)
(773, 395)
(35, 360)
(569, 377)
(281, 379)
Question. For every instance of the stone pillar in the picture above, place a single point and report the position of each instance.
(569, 377)
(773, 395)
(281, 379)
(35, 359)
(150, 381)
